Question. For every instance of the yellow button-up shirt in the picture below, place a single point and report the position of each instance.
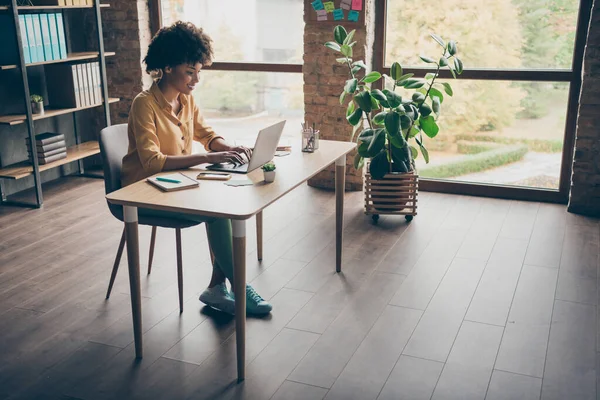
(155, 133)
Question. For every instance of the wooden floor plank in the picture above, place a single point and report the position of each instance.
(62, 340)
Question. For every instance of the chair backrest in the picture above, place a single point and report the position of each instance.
(113, 147)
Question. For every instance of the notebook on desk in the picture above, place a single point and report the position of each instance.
(183, 182)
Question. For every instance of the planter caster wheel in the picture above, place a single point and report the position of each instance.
(408, 218)
(375, 218)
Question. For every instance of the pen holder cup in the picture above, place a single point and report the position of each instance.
(310, 140)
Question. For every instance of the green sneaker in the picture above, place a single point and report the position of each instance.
(255, 304)
(218, 297)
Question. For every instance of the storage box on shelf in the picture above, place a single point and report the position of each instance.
(35, 36)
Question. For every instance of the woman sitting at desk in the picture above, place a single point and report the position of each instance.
(163, 121)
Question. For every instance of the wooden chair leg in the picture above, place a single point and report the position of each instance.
(152, 242)
(179, 268)
(113, 275)
(259, 235)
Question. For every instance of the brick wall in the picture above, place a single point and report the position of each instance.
(585, 181)
(127, 32)
(324, 80)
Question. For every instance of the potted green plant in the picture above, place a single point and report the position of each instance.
(37, 104)
(393, 136)
(269, 171)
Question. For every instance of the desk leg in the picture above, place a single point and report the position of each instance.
(239, 278)
(340, 183)
(259, 235)
(133, 259)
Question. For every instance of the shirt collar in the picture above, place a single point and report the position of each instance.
(160, 98)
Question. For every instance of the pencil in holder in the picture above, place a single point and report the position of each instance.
(310, 140)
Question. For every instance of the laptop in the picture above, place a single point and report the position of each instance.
(264, 151)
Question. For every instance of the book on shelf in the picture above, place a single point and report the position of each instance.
(10, 49)
(45, 154)
(46, 43)
(31, 38)
(24, 39)
(54, 38)
(47, 138)
(46, 160)
(37, 31)
(49, 147)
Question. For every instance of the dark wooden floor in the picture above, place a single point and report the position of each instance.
(476, 298)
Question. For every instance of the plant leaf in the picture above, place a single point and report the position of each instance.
(396, 71)
(379, 118)
(405, 121)
(452, 47)
(355, 117)
(363, 147)
(435, 104)
(346, 50)
(379, 166)
(425, 154)
(371, 77)
(424, 109)
(433, 92)
(374, 104)
(429, 76)
(355, 69)
(393, 98)
(359, 161)
(363, 100)
(397, 141)
(349, 37)
(413, 83)
(351, 85)
(443, 61)
(342, 97)
(458, 65)
(427, 59)
(448, 89)
(377, 143)
(378, 94)
(413, 151)
(333, 46)
(341, 60)
(359, 63)
(339, 34)
(429, 126)
(354, 130)
(392, 123)
(403, 78)
(418, 97)
(452, 71)
(438, 39)
(350, 108)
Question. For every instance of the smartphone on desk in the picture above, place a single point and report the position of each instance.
(213, 176)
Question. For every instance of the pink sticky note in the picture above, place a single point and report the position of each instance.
(321, 15)
(357, 4)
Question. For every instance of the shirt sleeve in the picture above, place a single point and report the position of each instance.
(146, 140)
(202, 132)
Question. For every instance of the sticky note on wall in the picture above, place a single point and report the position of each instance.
(357, 4)
(321, 15)
(338, 14)
(353, 16)
(318, 5)
(346, 4)
(329, 6)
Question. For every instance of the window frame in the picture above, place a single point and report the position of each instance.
(156, 23)
(572, 76)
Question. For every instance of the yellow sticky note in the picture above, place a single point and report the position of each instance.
(329, 6)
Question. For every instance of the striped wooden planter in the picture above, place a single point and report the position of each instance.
(395, 194)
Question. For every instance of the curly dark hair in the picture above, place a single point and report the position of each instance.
(180, 43)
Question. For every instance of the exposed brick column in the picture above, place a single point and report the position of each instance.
(127, 32)
(324, 80)
(585, 181)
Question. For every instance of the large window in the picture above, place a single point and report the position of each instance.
(507, 121)
(256, 76)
